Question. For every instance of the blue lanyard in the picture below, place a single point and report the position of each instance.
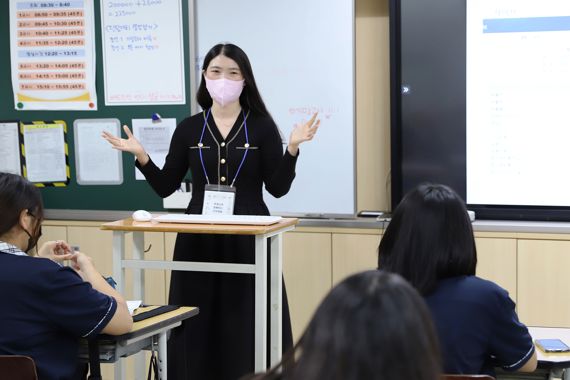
(201, 145)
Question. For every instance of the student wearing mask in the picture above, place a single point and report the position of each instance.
(374, 326)
(430, 242)
(233, 145)
(47, 307)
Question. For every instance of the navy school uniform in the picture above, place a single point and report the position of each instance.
(478, 327)
(45, 309)
(219, 342)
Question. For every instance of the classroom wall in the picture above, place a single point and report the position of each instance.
(372, 105)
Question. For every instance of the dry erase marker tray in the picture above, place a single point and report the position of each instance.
(259, 220)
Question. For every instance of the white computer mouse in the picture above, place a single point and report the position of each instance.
(142, 216)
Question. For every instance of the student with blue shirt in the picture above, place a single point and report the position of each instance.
(430, 242)
(46, 307)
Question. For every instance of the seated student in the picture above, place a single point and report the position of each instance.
(47, 307)
(430, 243)
(373, 326)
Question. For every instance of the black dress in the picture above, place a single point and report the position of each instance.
(219, 342)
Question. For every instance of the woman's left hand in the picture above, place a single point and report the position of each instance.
(55, 250)
(303, 132)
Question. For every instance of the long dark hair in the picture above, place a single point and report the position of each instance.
(18, 194)
(429, 238)
(250, 99)
(374, 326)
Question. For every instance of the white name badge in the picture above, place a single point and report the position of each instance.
(219, 200)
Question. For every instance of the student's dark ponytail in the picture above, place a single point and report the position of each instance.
(17, 194)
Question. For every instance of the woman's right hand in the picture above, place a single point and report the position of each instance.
(83, 265)
(130, 144)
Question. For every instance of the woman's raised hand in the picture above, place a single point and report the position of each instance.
(130, 144)
(303, 132)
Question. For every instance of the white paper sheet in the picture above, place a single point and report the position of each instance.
(155, 138)
(133, 305)
(45, 152)
(9, 148)
(96, 162)
(143, 52)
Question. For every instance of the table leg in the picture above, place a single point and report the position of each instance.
(120, 371)
(138, 254)
(556, 374)
(276, 310)
(162, 355)
(94, 361)
(118, 256)
(119, 277)
(138, 294)
(260, 303)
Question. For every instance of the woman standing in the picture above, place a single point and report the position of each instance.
(235, 144)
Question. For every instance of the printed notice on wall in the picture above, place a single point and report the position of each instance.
(155, 138)
(45, 152)
(96, 163)
(53, 55)
(143, 53)
(9, 147)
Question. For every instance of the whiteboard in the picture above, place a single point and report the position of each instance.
(143, 53)
(302, 53)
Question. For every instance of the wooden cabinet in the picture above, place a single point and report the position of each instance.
(308, 274)
(315, 259)
(354, 253)
(544, 291)
(95, 243)
(531, 267)
(50, 233)
(497, 262)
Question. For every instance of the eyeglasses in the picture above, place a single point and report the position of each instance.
(33, 215)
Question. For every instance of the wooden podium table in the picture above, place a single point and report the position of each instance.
(259, 269)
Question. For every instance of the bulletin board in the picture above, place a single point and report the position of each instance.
(130, 194)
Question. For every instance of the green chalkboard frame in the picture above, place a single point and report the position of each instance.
(131, 194)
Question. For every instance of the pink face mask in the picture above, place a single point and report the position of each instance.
(224, 91)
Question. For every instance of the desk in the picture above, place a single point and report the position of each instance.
(555, 363)
(145, 334)
(550, 366)
(258, 269)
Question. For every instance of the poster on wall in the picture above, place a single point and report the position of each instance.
(45, 155)
(10, 147)
(52, 52)
(155, 137)
(143, 52)
(96, 162)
